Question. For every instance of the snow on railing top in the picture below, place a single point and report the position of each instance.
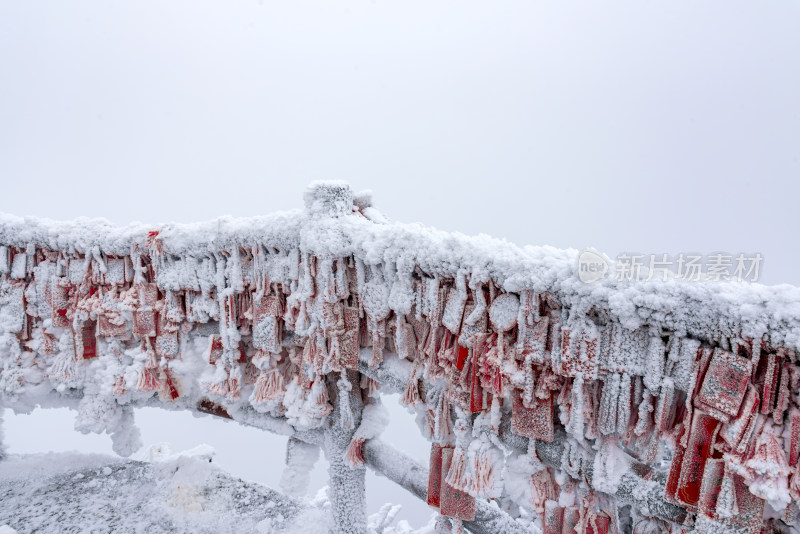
(338, 223)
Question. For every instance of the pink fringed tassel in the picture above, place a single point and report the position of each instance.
(411, 395)
(251, 373)
(430, 424)
(484, 474)
(369, 385)
(261, 387)
(355, 453)
(322, 392)
(457, 475)
(147, 380)
(319, 394)
(443, 425)
(269, 386)
(221, 388)
(234, 387)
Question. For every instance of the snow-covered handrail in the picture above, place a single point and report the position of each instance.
(263, 320)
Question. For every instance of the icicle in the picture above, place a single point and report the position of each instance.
(430, 299)
(609, 400)
(683, 373)
(530, 380)
(575, 425)
(400, 337)
(784, 395)
(454, 309)
(346, 419)
(624, 404)
(479, 312)
(377, 345)
(654, 364)
(643, 423)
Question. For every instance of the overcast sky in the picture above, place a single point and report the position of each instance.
(657, 127)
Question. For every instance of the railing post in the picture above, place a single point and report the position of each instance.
(346, 485)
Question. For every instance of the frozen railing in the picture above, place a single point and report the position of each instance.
(604, 407)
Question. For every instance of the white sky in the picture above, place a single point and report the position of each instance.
(657, 127)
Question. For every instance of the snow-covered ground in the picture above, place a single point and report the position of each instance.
(71, 492)
(157, 492)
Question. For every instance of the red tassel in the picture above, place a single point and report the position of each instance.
(215, 349)
(170, 386)
(148, 377)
